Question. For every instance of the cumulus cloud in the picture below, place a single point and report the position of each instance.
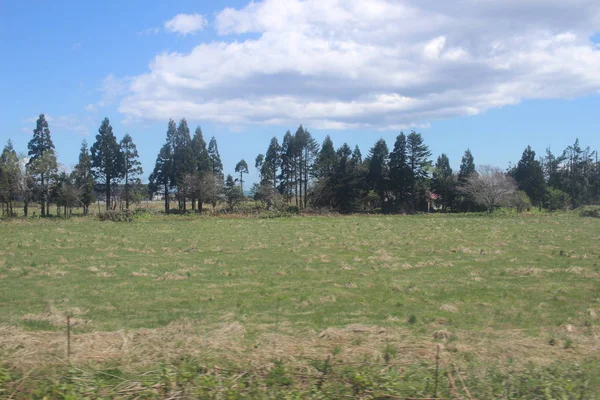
(58, 123)
(382, 64)
(185, 24)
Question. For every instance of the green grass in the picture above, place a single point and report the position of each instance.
(486, 282)
(477, 272)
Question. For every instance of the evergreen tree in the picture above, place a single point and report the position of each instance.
(288, 173)
(259, 162)
(242, 168)
(200, 156)
(202, 166)
(162, 177)
(233, 193)
(217, 170)
(530, 177)
(272, 162)
(443, 182)
(356, 156)
(132, 167)
(378, 174)
(215, 159)
(467, 168)
(418, 161)
(401, 178)
(107, 159)
(183, 161)
(84, 178)
(326, 159)
(10, 175)
(42, 162)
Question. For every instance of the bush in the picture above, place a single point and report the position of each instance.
(520, 201)
(116, 216)
(557, 200)
(590, 211)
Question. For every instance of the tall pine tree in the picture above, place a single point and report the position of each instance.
(84, 178)
(107, 159)
(132, 167)
(42, 162)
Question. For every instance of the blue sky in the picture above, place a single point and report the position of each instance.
(490, 76)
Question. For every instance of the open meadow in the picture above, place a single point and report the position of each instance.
(297, 299)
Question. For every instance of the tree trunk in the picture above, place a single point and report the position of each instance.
(107, 201)
(47, 207)
(26, 208)
(166, 198)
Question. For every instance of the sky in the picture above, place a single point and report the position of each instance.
(490, 75)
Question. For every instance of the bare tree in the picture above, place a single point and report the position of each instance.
(489, 187)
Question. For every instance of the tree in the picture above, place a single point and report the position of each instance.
(418, 161)
(10, 175)
(42, 161)
(132, 167)
(217, 170)
(266, 194)
(529, 176)
(202, 166)
(287, 178)
(84, 178)
(272, 162)
(107, 159)
(443, 182)
(163, 177)
(467, 168)
(401, 178)
(326, 159)
(378, 174)
(233, 193)
(489, 187)
(242, 168)
(183, 162)
(259, 162)
(215, 159)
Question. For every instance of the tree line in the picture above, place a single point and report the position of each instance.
(298, 172)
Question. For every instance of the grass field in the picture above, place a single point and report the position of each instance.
(505, 291)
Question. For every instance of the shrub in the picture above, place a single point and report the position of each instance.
(116, 216)
(520, 201)
(557, 200)
(590, 211)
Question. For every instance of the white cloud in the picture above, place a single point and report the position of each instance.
(381, 64)
(58, 123)
(112, 89)
(184, 24)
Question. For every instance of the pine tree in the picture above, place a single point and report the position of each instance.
(418, 161)
(288, 166)
(272, 162)
(443, 182)
(356, 156)
(378, 173)
(242, 168)
(529, 176)
(132, 167)
(467, 169)
(107, 159)
(401, 178)
(10, 175)
(467, 166)
(42, 162)
(202, 165)
(326, 159)
(183, 162)
(217, 170)
(84, 178)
